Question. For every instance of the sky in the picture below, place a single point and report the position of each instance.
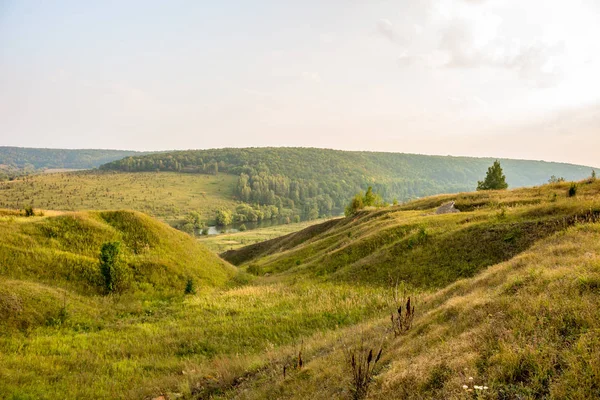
(500, 78)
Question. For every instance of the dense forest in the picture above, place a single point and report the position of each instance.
(320, 182)
(31, 159)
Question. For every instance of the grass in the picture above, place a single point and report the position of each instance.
(165, 195)
(424, 249)
(506, 292)
(237, 240)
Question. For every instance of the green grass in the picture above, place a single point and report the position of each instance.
(420, 247)
(506, 292)
(233, 241)
(528, 328)
(166, 195)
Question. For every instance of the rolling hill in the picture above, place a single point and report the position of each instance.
(506, 292)
(21, 157)
(321, 180)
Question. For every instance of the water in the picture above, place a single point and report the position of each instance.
(233, 228)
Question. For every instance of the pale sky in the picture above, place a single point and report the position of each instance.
(501, 78)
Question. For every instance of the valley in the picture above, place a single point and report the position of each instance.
(512, 269)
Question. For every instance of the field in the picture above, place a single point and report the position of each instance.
(233, 241)
(165, 195)
(506, 292)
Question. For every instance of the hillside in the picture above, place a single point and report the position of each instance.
(319, 181)
(511, 297)
(428, 250)
(62, 249)
(22, 157)
(165, 195)
(506, 292)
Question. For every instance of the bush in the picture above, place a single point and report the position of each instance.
(29, 211)
(255, 269)
(573, 190)
(190, 287)
(113, 269)
(242, 228)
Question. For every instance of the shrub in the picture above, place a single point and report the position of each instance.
(29, 211)
(113, 269)
(572, 190)
(255, 269)
(190, 287)
(242, 228)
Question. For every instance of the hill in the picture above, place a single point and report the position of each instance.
(321, 181)
(506, 292)
(31, 159)
(62, 250)
(425, 249)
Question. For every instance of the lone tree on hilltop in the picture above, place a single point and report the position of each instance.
(494, 180)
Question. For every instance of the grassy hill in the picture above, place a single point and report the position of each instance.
(414, 244)
(62, 250)
(506, 292)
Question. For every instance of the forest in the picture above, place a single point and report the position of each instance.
(319, 182)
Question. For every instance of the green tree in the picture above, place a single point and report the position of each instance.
(357, 203)
(370, 197)
(224, 217)
(112, 267)
(494, 180)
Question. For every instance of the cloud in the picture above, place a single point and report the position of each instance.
(535, 63)
(387, 30)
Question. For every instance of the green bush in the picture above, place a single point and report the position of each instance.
(115, 272)
(190, 287)
(573, 190)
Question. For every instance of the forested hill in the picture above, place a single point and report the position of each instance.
(32, 158)
(326, 178)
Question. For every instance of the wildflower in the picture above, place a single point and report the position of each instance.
(478, 387)
(485, 388)
(465, 387)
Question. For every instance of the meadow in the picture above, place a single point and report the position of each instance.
(233, 241)
(506, 292)
(168, 196)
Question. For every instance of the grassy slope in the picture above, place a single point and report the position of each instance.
(62, 251)
(526, 326)
(417, 246)
(237, 240)
(164, 195)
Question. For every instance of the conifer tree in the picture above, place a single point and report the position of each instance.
(494, 180)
